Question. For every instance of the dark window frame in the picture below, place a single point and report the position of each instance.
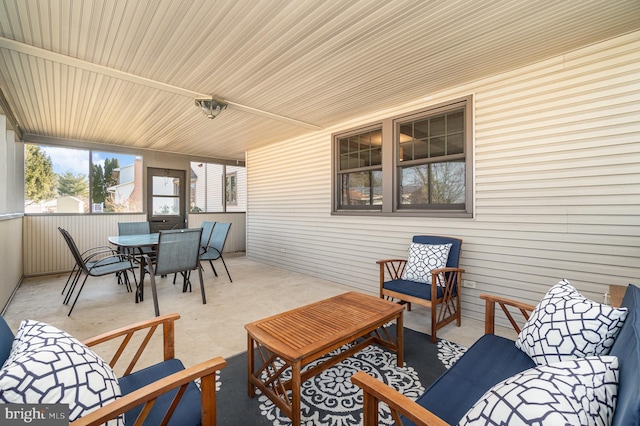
(341, 172)
(391, 165)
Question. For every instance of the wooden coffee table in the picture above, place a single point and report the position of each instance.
(295, 338)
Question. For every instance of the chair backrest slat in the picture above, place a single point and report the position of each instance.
(178, 250)
(207, 231)
(133, 228)
(74, 249)
(219, 236)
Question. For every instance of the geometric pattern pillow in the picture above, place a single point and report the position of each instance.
(566, 325)
(579, 392)
(424, 258)
(48, 366)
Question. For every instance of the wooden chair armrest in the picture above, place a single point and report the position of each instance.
(490, 311)
(151, 325)
(390, 260)
(444, 270)
(448, 278)
(375, 391)
(148, 394)
(447, 269)
(616, 294)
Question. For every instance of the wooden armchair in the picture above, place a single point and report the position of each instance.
(402, 407)
(441, 294)
(157, 392)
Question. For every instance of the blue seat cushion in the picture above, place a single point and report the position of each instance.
(627, 349)
(488, 361)
(412, 288)
(188, 411)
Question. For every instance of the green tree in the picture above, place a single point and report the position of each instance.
(39, 180)
(110, 177)
(98, 188)
(103, 178)
(73, 185)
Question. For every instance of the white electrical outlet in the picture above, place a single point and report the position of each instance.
(468, 284)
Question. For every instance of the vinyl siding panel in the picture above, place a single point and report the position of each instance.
(45, 251)
(556, 186)
(10, 257)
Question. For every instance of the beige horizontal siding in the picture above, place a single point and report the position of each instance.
(557, 187)
(10, 258)
(45, 251)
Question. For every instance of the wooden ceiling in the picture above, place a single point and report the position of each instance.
(126, 73)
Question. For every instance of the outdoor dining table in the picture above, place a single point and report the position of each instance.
(136, 243)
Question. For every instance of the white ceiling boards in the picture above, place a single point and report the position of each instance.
(127, 73)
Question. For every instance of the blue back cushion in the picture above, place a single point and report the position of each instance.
(454, 254)
(490, 360)
(627, 349)
(6, 340)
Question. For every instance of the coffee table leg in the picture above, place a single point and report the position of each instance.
(295, 393)
(250, 365)
(400, 340)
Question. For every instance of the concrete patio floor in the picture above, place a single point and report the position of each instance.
(204, 331)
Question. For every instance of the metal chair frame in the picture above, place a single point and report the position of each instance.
(117, 263)
(215, 247)
(182, 258)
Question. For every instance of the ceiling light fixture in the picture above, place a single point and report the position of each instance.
(211, 107)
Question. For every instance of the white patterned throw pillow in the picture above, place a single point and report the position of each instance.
(578, 392)
(48, 366)
(566, 325)
(424, 258)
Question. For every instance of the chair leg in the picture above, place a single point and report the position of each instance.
(434, 320)
(72, 273)
(154, 294)
(135, 280)
(78, 295)
(186, 281)
(126, 281)
(140, 287)
(204, 299)
(225, 267)
(213, 267)
(72, 287)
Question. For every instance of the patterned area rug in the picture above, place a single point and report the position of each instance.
(330, 398)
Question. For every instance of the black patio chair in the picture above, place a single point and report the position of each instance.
(137, 228)
(207, 228)
(90, 256)
(216, 246)
(178, 252)
(116, 263)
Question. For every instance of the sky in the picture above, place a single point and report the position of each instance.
(76, 161)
